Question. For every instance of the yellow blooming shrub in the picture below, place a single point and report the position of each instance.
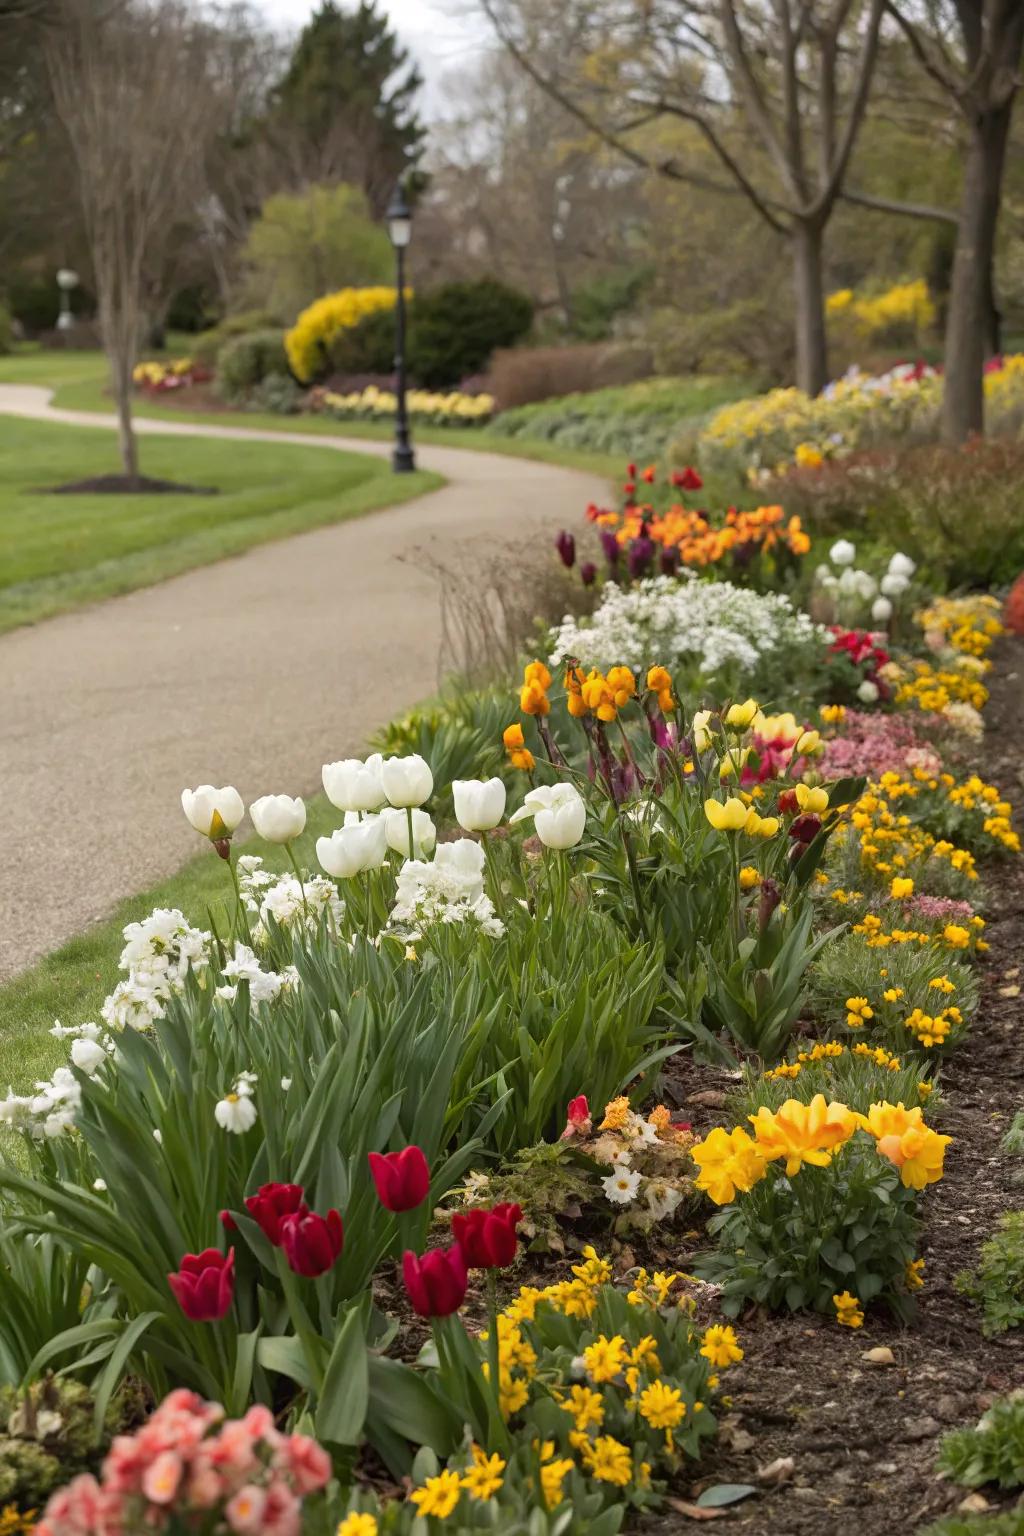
(308, 341)
(450, 408)
(900, 315)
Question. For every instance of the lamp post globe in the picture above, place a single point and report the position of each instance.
(399, 222)
(66, 280)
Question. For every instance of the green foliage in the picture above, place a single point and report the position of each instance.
(859, 1077)
(1009, 1523)
(634, 420)
(247, 361)
(992, 1452)
(549, 1182)
(1013, 1141)
(206, 346)
(596, 304)
(459, 736)
(998, 1284)
(848, 968)
(454, 329)
(48, 1435)
(308, 243)
(367, 347)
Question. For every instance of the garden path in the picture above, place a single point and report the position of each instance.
(253, 671)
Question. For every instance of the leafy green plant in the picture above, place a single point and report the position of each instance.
(249, 360)
(47, 1435)
(998, 1284)
(992, 1452)
(1013, 1141)
(454, 328)
(1008, 1523)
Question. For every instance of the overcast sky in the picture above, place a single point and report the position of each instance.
(442, 35)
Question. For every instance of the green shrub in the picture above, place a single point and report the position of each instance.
(278, 393)
(999, 1282)
(1010, 1523)
(307, 243)
(368, 347)
(244, 363)
(455, 328)
(993, 1452)
(208, 344)
(1013, 1141)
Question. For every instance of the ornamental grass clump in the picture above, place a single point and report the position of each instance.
(819, 1201)
(991, 1452)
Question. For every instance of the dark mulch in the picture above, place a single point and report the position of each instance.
(129, 485)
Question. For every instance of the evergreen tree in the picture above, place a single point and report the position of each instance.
(346, 104)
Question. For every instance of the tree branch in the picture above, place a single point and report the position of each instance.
(893, 205)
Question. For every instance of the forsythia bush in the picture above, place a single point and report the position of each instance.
(309, 339)
(901, 313)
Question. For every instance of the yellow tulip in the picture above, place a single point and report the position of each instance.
(730, 817)
(808, 744)
(741, 716)
(768, 827)
(814, 801)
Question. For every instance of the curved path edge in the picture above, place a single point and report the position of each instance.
(253, 671)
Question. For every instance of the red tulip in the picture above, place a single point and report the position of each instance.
(649, 475)
(271, 1204)
(205, 1284)
(805, 828)
(577, 1120)
(311, 1243)
(488, 1237)
(402, 1178)
(686, 479)
(436, 1283)
(787, 802)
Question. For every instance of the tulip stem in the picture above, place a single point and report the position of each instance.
(634, 876)
(240, 917)
(302, 888)
(308, 1336)
(490, 859)
(369, 905)
(412, 844)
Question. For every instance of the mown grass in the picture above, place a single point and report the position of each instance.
(58, 552)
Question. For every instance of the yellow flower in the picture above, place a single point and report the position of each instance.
(719, 1345)
(586, 1407)
(609, 1461)
(438, 1496)
(812, 800)
(730, 817)
(741, 716)
(803, 1133)
(832, 714)
(357, 1525)
(901, 887)
(892, 994)
(552, 1476)
(858, 1011)
(728, 1161)
(662, 1406)
(615, 1115)
(808, 744)
(646, 1353)
(749, 877)
(512, 1394)
(914, 1274)
(605, 1358)
(918, 1153)
(483, 1479)
(622, 684)
(848, 1310)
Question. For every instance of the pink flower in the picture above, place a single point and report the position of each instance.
(259, 1422)
(308, 1463)
(205, 1484)
(244, 1512)
(281, 1512)
(232, 1450)
(578, 1121)
(161, 1478)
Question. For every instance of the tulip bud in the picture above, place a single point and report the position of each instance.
(271, 1204)
(805, 829)
(311, 1243)
(771, 896)
(812, 799)
(402, 1179)
(478, 806)
(566, 547)
(435, 1283)
(741, 716)
(205, 1284)
(396, 833)
(787, 802)
(213, 812)
(488, 1237)
(407, 781)
(588, 573)
(278, 818)
(352, 785)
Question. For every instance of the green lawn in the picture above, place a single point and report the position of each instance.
(71, 983)
(60, 551)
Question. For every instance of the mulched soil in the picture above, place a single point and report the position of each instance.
(128, 485)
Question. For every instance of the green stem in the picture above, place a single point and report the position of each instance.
(490, 859)
(412, 844)
(302, 888)
(634, 876)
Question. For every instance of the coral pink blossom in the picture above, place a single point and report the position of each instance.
(281, 1512)
(244, 1512)
(307, 1462)
(161, 1478)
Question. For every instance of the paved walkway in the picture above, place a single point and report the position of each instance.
(252, 672)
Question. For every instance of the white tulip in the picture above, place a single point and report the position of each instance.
(867, 692)
(478, 806)
(353, 848)
(902, 565)
(843, 552)
(881, 610)
(563, 825)
(701, 734)
(407, 781)
(87, 1055)
(396, 832)
(354, 785)
(894, 585)
(278, 818)
(213, 812)
(866, 585)
(462, 855)
(544, 798)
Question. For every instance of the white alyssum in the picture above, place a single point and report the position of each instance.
(291, 903)
(710, 624)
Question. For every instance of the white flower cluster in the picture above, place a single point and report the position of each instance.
(49, 1111)
(285, 899)
(625, 1184)
(670, 619)
(854, 587)
(158, 955)
(448, 890)
(264, 986)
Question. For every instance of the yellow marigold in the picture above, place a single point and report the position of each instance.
(662, 1406)
(720, 1346)
(438, 1496)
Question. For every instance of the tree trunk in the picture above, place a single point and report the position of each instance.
(121, 373)
(809, 296)
(969, 318)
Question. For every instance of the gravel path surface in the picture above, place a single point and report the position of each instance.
(252, 672)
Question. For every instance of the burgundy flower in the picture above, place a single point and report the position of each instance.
(588, 573)
(436, 1283)
(641, 553)
(686, 479)
(610, 545)
(402, 1178)
(271, 1204)
(488, 1237)
(566, 546)
(668, 559)
(205, 1284)
(805, 828)
(311, 1243)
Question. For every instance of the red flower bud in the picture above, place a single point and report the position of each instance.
(227, 1221)
(805, 829)
(311, 1243)
(577, 1118)
(649, 474)
(787, 802)
(488, 1237)
(436, 1283)
(205, 1284)
(402, 1178)
(271, 1204)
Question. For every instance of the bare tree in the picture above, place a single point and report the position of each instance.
(129, 90)
(973, 50)
(778, 90)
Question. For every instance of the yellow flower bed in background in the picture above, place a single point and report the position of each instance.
(451, 408)
(906, 308)
(307, 341)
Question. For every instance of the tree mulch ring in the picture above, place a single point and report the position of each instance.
(128, 485)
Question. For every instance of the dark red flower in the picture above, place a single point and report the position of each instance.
(402, 1178)
(588, 573)
(436, 1283)
(577, 1118)
(631, 471)
(649, 474)
(566, 546)
(630, 489)
(787, 802)
(311, 1243)
(686, 479)
(271, 1204)
(205, 1284)
(488, 1237)
(227, 1221)
(805, 829)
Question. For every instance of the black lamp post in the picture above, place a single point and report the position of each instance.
(399, 217)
